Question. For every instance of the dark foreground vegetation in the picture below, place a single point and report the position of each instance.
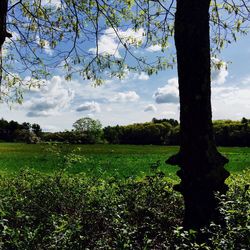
(109, 197)
(77, 212)
(157, 132)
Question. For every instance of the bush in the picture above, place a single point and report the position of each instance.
(233, 233)
(77, 212)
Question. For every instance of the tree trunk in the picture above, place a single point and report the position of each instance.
(201, 166)
(3, 32)
(3, 14)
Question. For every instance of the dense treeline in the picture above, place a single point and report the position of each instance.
(232, 133)
(14, 132)
(156, 132)
(166, 132)
(70, 137)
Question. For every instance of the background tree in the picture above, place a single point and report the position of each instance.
(12, 131)
(26, 126)
(112, 134)
(89, 130)
(36, 128)
(157, 133)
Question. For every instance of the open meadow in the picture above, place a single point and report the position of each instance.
(103, 160)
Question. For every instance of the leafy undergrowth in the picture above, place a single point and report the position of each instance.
(234, 234)
(78, 212)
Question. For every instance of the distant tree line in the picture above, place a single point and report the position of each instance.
(155, 132)
(12, 131)
(232, 133)
(166, 132)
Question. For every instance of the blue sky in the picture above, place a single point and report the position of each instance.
(136, 98)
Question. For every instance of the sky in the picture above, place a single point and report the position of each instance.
(137, 98)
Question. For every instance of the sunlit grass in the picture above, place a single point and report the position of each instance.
(103, 160)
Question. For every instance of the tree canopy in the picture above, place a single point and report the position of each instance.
(89, 129)
(69, 35)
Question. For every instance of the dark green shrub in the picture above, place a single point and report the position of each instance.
(234, 233)
(75, 212)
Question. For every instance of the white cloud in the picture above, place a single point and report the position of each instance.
(150, 108)
(143, 76)
(44, 45)
(109, 44)
(47, 48)
(90, 107)
(169, 93)
(246, 80)
(129, 96)
(154, 48)
(131, 76)
(50, 128)
(40, 113)
(169, 113)
(231, 102)
(132, 37)
(53, 97)
(55, 3)
(220, 74)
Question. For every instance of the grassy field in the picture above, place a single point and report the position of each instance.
(102, 160)
(93, 210)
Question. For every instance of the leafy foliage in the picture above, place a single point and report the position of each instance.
(88, 129)
(141, 133)
(232, 133)
(66, 34)
(167, 132)
(233, 233)
(12, 131)
(77, 212)
(65, 212)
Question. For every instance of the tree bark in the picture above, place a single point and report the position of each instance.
(3, 31)
(201, 166)
(3, 14)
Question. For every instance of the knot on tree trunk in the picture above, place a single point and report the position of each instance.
(174, 160)
(7, 34)
(212, 157)
(202, 174)
(3, 36)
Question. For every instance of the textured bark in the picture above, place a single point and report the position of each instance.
(201, 166)
(3, 32)
(3, 14)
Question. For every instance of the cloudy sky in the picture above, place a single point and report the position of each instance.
(136, 98)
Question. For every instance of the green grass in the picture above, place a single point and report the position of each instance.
(103, 160)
